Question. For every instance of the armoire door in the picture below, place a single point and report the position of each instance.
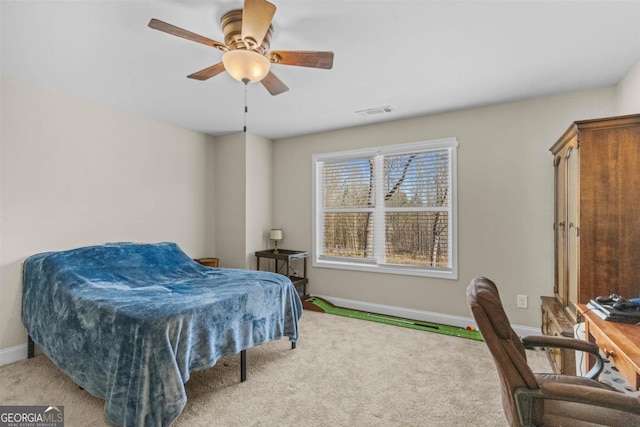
(560, 225)
(573, 220)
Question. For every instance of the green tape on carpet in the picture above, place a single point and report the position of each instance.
(327, 307)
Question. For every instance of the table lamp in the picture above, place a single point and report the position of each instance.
(275, 235)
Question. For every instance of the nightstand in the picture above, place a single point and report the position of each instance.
(208, 262)
(288, 257)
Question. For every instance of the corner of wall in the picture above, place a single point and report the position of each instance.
(210, 197)
(243, 207)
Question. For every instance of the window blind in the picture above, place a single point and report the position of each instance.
(416, 205)
(349, 197)
(390, 208)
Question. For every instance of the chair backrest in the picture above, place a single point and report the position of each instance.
(503, 343)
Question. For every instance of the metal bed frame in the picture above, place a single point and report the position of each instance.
(243, 357)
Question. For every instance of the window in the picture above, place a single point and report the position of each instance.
(388, 209)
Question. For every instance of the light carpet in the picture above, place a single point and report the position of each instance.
(344, 372)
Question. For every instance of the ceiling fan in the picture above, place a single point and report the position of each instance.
(247, 38)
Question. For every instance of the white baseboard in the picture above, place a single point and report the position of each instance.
(13, 354)
(425, 316)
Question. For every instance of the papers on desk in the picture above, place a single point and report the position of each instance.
(609, 313)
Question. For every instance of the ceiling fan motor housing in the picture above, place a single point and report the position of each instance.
(231, 23)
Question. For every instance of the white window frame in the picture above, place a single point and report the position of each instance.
(318, 260)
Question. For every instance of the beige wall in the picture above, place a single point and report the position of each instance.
(210, 199)
(628, 92)
(258, 197)
(505, 200)
(75, 173)
(230, 216)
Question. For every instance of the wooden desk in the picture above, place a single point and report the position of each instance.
(620, 343)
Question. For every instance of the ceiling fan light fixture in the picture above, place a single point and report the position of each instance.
(245, 65)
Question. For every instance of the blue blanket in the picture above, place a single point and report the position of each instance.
(128, 322)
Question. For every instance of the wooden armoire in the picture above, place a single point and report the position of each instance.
(597, 221)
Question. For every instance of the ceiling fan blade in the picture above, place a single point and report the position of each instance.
(256, 19)
(273, 84)
(208, 72)
(156, 24)
(302, 58)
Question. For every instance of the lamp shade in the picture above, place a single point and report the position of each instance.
(245, 65)
(276, 234)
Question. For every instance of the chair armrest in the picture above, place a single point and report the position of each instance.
(568, 343)
(563, 342)
(573, 393)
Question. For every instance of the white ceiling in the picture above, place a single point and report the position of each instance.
(419, 57)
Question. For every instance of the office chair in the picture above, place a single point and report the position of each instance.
(530, 399)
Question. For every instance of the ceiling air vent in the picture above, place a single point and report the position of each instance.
(375, 111)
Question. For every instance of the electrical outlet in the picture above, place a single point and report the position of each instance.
(522, 301)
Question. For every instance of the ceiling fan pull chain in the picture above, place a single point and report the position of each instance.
(246, 108)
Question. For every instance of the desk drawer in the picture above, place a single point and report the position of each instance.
(616, 357)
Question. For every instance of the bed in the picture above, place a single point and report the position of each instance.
(128, 322)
